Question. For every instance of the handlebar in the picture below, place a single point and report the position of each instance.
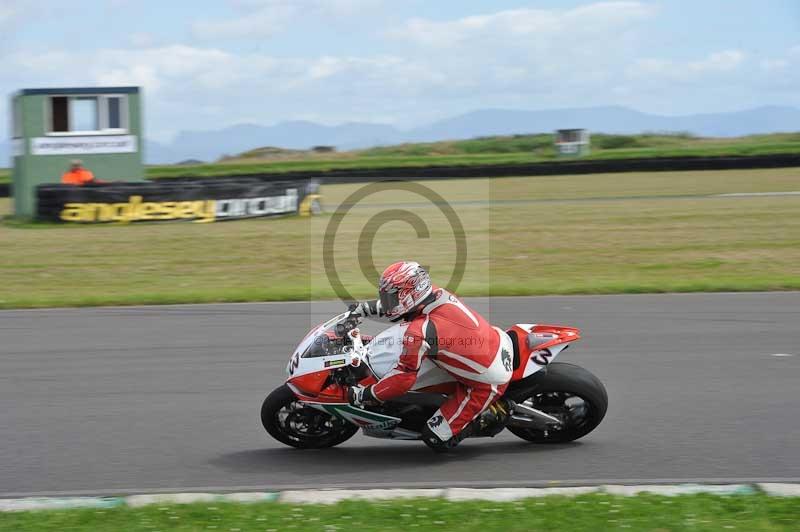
(349, 328)
(350, 322)
(345, 327)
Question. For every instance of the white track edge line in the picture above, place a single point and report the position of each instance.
(555, 483)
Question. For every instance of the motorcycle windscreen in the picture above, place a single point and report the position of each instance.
(323, 344)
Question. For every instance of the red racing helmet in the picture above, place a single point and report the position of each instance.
(402, 287)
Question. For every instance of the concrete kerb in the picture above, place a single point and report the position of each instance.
(333, 496)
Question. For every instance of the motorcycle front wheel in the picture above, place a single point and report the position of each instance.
(566, 391)
(292, 423)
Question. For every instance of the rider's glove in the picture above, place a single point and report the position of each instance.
(361, 395)
(354, 311)
(365, 308)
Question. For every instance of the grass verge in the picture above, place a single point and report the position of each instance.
(583, 513)
(512, 149)
(589, 234)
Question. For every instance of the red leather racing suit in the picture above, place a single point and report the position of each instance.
(464, 344)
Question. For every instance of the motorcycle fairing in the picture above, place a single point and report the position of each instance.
(303, 366)
(539, 344)
(372, 424)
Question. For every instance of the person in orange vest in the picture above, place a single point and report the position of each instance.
(77, 174)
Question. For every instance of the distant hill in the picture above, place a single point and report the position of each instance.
(610, 120)
(210, 145)
(213, 144)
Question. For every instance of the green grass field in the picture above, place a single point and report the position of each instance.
(586, 513)
(610, 233)
(647, 145)
(516, 149)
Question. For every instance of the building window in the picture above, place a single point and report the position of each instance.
(83, 114)
(114, 112)
(80, 115)
(60, 114)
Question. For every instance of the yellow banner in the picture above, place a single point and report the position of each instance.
(201, 211)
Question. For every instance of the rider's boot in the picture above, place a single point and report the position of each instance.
(493, 420)
(488, 424)
(442, 446)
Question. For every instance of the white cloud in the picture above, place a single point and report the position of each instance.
(725, 61)
(203, 88)
(526, 27)
(11, 13)
(528, 54)
(7, 13)
(774, 65)
(596, 54)
(178, 67)
(265, 18)
(715, 64)
(16, 15)
(142, 39)
(261, 23)
(781, 73)
(152, 68)
(528, 57)
(341, 7)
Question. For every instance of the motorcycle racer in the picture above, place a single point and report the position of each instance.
(451, 335)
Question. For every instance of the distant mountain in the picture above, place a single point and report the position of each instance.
(768, 119)
(212, 144)
(489, 122)
(611, 120)
(156, 152)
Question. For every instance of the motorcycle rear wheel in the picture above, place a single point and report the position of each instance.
(292, 423)
(566, 391)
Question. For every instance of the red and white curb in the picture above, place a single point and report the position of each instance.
(333, 496)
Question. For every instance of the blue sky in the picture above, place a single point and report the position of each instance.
(204, 65)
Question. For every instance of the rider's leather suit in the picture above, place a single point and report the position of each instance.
(461, 342)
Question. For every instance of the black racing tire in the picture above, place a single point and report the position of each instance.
(570, 380)
(282, 399)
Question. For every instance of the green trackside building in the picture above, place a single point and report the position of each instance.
(572, 142)
(101, 126)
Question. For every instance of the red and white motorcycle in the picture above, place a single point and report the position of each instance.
(552, 402)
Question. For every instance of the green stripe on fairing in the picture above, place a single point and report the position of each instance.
(334, 409)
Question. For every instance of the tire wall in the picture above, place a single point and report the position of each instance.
(578, 166)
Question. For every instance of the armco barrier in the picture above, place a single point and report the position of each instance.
(579, 166)
(207, 201)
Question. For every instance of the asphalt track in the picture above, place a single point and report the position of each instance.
(144, 399)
